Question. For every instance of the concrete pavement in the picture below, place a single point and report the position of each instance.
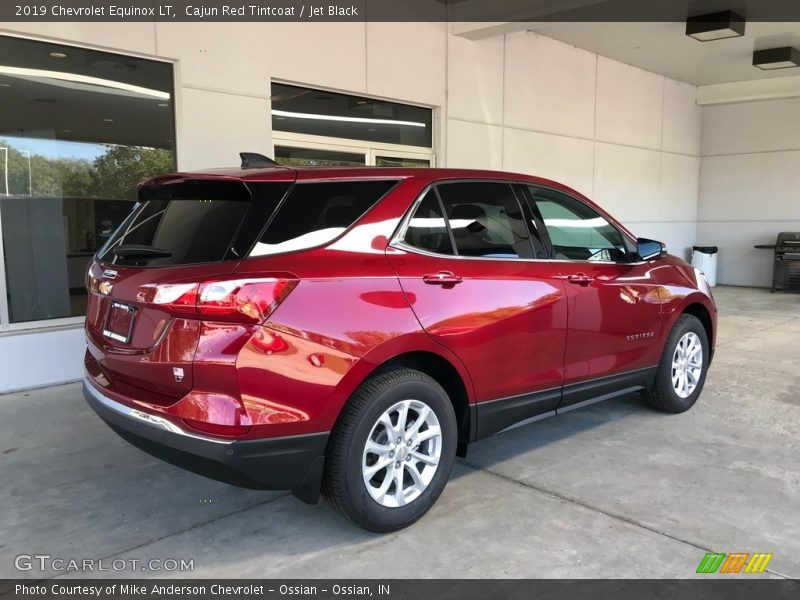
(611, 490)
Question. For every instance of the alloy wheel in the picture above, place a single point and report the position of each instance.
(402, 453)
(687, 364)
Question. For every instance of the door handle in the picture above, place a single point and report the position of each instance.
(443, 278)
(581, 279)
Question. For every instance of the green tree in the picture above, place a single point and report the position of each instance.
(78, 178)
(121, 168)
(112, 175)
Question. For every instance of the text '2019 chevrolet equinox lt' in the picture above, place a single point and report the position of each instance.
(349, 330)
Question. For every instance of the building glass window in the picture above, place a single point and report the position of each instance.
(314, 157)
(313, 127)
(78, 130)
(320, 112)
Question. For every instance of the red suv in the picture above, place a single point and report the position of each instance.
(351, 330)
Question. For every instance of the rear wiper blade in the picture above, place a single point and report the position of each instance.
(138, 251)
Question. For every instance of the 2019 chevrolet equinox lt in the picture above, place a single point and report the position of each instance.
(350, 330)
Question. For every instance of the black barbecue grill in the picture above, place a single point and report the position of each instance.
(786, 263)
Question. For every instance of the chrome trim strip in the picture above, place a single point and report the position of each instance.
(148, 419)
(404, 247)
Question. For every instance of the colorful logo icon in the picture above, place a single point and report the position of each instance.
(735, 562)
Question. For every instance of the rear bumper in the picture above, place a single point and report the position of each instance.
(283, 463)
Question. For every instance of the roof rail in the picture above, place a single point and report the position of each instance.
(252, 160)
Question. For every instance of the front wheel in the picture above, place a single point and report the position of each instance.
(392, 451)
(682, 370)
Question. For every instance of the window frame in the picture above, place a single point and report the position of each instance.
(398, 239)
(520, 188)
(369, 149)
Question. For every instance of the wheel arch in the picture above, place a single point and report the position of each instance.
(417, 351)
(446, 375)
(698, 310)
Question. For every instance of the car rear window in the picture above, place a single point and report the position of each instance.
(193, 221)
(314, 214)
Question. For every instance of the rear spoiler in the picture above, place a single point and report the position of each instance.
(250, 160)
(205, 188)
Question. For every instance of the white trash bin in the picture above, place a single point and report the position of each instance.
(704, 258)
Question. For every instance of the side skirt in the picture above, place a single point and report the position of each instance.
(498, 415)
(585, 393)
(503, 414)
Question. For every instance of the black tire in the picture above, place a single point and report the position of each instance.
(343, 484)
(662, 395)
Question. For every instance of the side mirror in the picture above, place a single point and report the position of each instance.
(649, 249)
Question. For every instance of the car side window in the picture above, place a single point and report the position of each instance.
(486, 220)
(578, 232)
(427, 229)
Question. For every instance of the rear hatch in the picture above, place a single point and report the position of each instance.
(184, 230)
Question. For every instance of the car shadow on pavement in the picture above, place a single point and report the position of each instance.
(86, 487)
(539, 438)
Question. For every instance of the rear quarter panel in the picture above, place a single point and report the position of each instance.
(333, 329)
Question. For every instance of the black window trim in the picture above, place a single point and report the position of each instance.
(397, 241)
(443, 212)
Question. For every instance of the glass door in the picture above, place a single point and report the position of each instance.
(398, 161)
(385, 157)
(299, 150)
(293, 156)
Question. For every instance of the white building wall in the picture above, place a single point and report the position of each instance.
(749, 184)
(625, 137)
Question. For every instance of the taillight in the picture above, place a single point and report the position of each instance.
(91, 282)
(175, 297)
(239, 300)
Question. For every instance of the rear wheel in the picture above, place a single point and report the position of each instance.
(682, 370)
(392, 451)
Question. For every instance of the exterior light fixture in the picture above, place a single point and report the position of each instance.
(770, 59)
(58, 55)
(715, 26)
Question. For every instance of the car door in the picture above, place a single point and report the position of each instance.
(614, 310)
(478, 285)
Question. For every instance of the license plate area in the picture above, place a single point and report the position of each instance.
(119, 322)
